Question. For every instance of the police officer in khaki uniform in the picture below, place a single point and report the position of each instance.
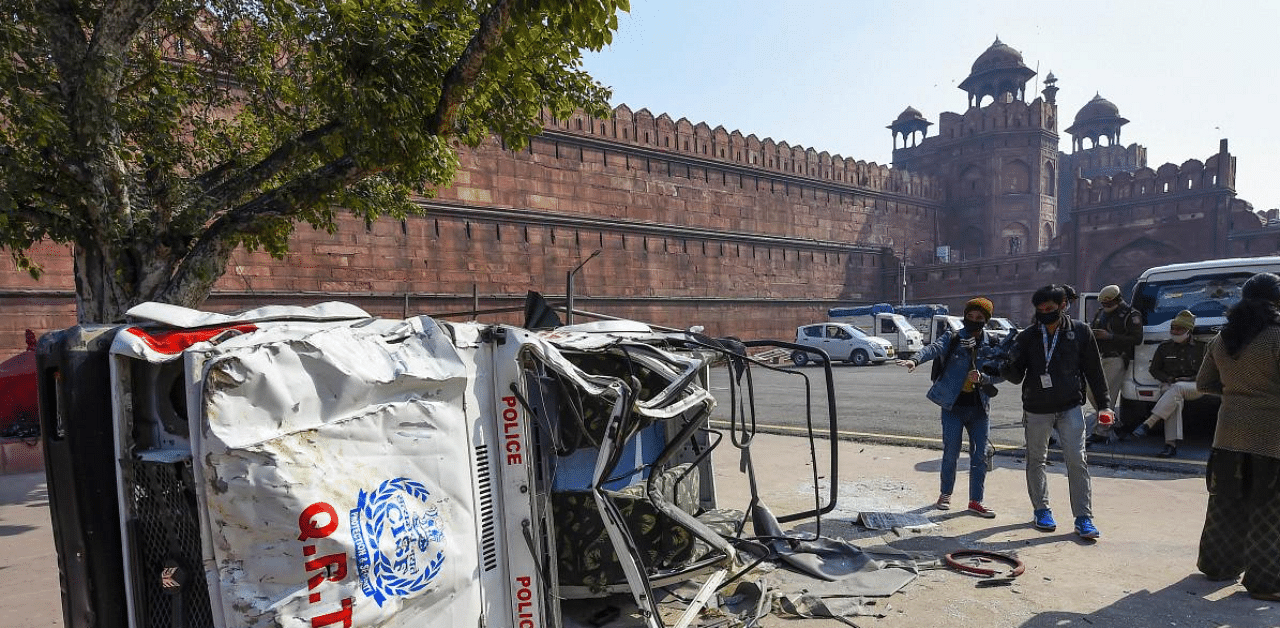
(1174, 365)
(1118, 329)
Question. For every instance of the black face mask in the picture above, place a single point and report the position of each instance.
(1048, 318)
(973, 327)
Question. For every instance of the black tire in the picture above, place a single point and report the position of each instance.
(859, 357)
(800, 358)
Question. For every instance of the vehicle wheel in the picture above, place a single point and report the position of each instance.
(800, 358)
(859, 357)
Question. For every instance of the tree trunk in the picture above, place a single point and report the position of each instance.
(112, 279)
(99, 296)
(193, 279)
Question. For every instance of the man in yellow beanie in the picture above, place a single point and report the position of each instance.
(1118, 329)
(1174, 365)
(964, 392)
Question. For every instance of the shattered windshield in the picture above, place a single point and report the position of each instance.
(1206, 296)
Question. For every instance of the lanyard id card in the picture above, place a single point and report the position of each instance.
(1046, 381)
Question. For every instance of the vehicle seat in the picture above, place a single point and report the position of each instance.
(586, 556)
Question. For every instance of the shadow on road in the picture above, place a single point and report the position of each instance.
(28, 489)
(1192, 601)
(6, 530)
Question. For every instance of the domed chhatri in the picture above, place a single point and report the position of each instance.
(1098, 109)
(1000, 56)
(908, 114)
(908, 124)
(999, 70)
(1099, 118)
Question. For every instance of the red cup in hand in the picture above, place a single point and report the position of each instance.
(1106, 417)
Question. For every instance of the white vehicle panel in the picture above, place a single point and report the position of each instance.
(362, 445)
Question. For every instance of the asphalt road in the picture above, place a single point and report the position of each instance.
(870, 400)
(886, 403)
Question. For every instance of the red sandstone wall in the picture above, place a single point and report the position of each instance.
(1008, 282)
(752, 244)
(430, 266)
(39, 305)
(560, 177)
(1129, 222)
(743, 254)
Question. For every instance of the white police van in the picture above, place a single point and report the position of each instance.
(1208, 289)
(311, 467)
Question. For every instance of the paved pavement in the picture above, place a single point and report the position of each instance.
(28, 565)
(1141, 573)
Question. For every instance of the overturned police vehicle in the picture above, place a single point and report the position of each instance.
(312, 467)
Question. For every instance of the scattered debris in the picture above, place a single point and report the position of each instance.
(892, 520)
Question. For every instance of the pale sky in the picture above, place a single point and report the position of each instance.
(831, 74)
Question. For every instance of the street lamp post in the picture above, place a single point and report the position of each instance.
(904, 269)
(568, 288)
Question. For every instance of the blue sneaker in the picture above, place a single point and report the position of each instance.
(1044, 520)
(1086, 529)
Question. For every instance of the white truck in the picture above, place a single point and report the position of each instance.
(1001, 327)
(931, 320)
(882, 322)
(940, 324)
(998, 327)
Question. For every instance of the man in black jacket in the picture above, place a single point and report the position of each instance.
(1053, 360)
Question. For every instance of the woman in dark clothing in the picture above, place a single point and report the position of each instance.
(1242, 525)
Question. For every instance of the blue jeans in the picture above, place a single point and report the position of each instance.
(954, 422)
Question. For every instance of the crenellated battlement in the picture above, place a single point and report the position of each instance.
(1106, 160)
(999, 115)
(996, 117)
(1192, 177)
(641, 128)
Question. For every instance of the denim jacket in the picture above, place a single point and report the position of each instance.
(951, 383)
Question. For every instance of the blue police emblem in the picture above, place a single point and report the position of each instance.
(398, 539)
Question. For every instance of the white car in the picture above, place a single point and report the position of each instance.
(842, 342)
(1001, 328)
